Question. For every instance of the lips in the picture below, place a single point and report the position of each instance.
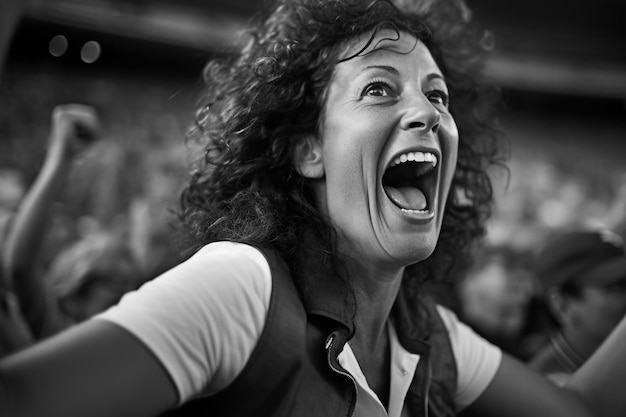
(410, 180)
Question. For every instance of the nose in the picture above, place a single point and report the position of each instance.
(421, 115)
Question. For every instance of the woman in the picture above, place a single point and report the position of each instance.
(335, 180)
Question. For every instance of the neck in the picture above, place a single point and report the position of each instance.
(376, 288)
(583, 346)
(375, 294)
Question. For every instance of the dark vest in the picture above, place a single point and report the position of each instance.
(293, 370)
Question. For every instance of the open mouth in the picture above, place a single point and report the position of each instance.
(410, 181)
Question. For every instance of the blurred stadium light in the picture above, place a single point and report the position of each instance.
(171, 23)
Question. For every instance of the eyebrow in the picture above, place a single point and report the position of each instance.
(394, 71)
(435, 76)
(386, 68)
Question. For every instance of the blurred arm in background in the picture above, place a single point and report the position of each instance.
(74, 127)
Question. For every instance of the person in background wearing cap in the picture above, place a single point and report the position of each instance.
(583, 275)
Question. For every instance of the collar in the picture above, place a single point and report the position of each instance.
(403, 365)
(415, 319)
(329, 296)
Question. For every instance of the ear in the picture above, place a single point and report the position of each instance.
(557, 303)
(307, 157)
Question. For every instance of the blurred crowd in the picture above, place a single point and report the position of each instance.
(82, 233)
(87, 191)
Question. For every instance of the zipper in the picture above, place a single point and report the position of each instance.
(328, 346)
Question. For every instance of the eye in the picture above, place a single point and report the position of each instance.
(438, 97)
(377, 89)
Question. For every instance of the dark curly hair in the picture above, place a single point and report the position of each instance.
(262, 100)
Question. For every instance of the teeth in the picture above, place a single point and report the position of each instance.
(415, 157)
(411, 211)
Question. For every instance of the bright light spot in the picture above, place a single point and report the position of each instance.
(57, 46)
(90, 52)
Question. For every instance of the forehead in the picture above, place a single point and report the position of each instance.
(387, 44)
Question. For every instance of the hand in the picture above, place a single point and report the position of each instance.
(74, 128)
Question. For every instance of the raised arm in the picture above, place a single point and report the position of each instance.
(518, 391)
(93, 369)
(602, 378)
(596, 389)
(74, 126)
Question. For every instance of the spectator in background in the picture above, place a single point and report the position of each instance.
(615, 218)
(14, 332)
(88, 276)
(12, 191)
(496, 296)
(583, 275)
(153, 221)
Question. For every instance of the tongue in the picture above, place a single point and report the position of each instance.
(410, 198)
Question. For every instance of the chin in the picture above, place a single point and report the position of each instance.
(412, 254)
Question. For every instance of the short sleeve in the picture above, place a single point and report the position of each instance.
(477, 359)
(202, 318)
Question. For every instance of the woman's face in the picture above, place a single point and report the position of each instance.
(389, 148)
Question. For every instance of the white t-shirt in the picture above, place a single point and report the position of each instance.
(202, 320)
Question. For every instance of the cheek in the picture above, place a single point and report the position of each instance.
(352, 148)
(449, 136)
(346, 188)
(449, 139)
(615, 305)
(596, 309)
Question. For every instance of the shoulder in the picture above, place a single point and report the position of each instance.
(462, 337)
(229, 256)
(202, 318)
(477, 359)
(216, 279)
(220, 267)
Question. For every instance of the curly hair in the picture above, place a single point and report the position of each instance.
(261, 101)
